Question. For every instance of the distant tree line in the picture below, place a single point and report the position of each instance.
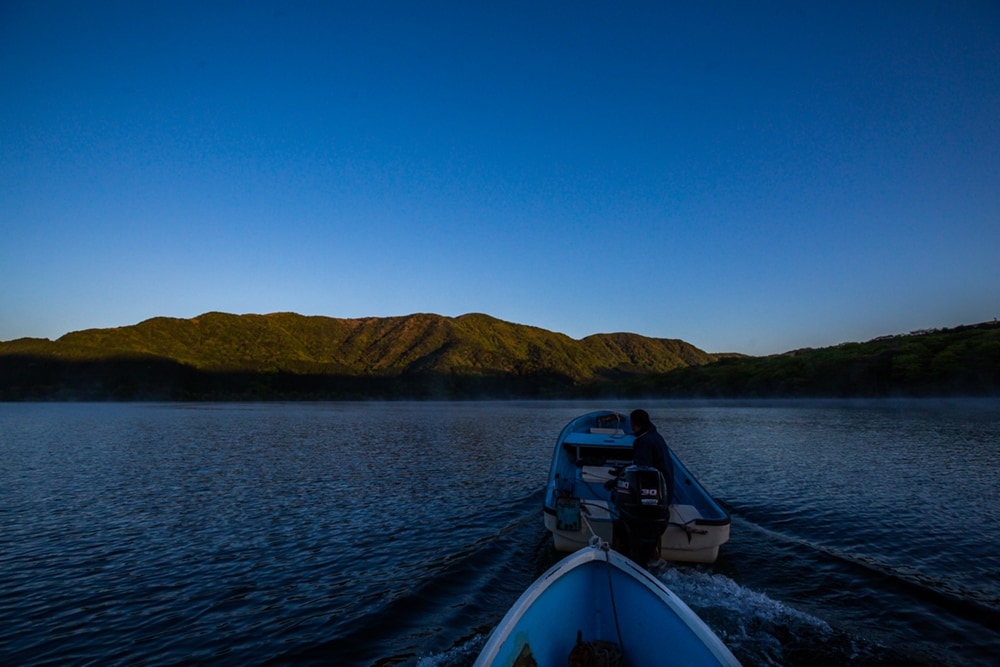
(943, 362)
(28, 379)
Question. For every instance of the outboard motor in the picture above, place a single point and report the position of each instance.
(643, 512)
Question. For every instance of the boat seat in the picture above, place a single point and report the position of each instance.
(606, 431)
(589, 482)
(596, 473)
(684, 514)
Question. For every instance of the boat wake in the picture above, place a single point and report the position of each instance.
(444, 617)
(950, 592)
(852, 590)
(757, 629)
(463, 591)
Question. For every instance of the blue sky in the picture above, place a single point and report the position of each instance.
(749, 177)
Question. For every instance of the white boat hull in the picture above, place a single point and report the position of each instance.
(700, 545)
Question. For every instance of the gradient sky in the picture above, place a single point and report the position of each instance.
(748, 176)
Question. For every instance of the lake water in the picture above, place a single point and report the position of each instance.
(863, 533)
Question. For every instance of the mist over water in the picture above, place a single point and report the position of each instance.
(399, 533)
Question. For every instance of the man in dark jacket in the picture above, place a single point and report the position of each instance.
(650, 449)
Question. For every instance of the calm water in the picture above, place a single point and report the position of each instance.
(863, 533)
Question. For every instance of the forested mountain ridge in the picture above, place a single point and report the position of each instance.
(420, 345)
(217, 356)
(473, 343)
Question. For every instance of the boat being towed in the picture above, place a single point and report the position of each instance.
(589, 452)
(596, 607)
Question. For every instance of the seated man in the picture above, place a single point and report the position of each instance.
(650, 449)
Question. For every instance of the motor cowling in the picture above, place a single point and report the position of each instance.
(643, 506)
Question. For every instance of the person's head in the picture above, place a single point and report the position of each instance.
(639, 420)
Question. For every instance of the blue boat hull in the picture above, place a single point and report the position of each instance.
(599, 595)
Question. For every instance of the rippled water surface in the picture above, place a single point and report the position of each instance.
(863, 533)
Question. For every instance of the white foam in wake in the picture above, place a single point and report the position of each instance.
(755, 627)
(457, 656)
(750, 623)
